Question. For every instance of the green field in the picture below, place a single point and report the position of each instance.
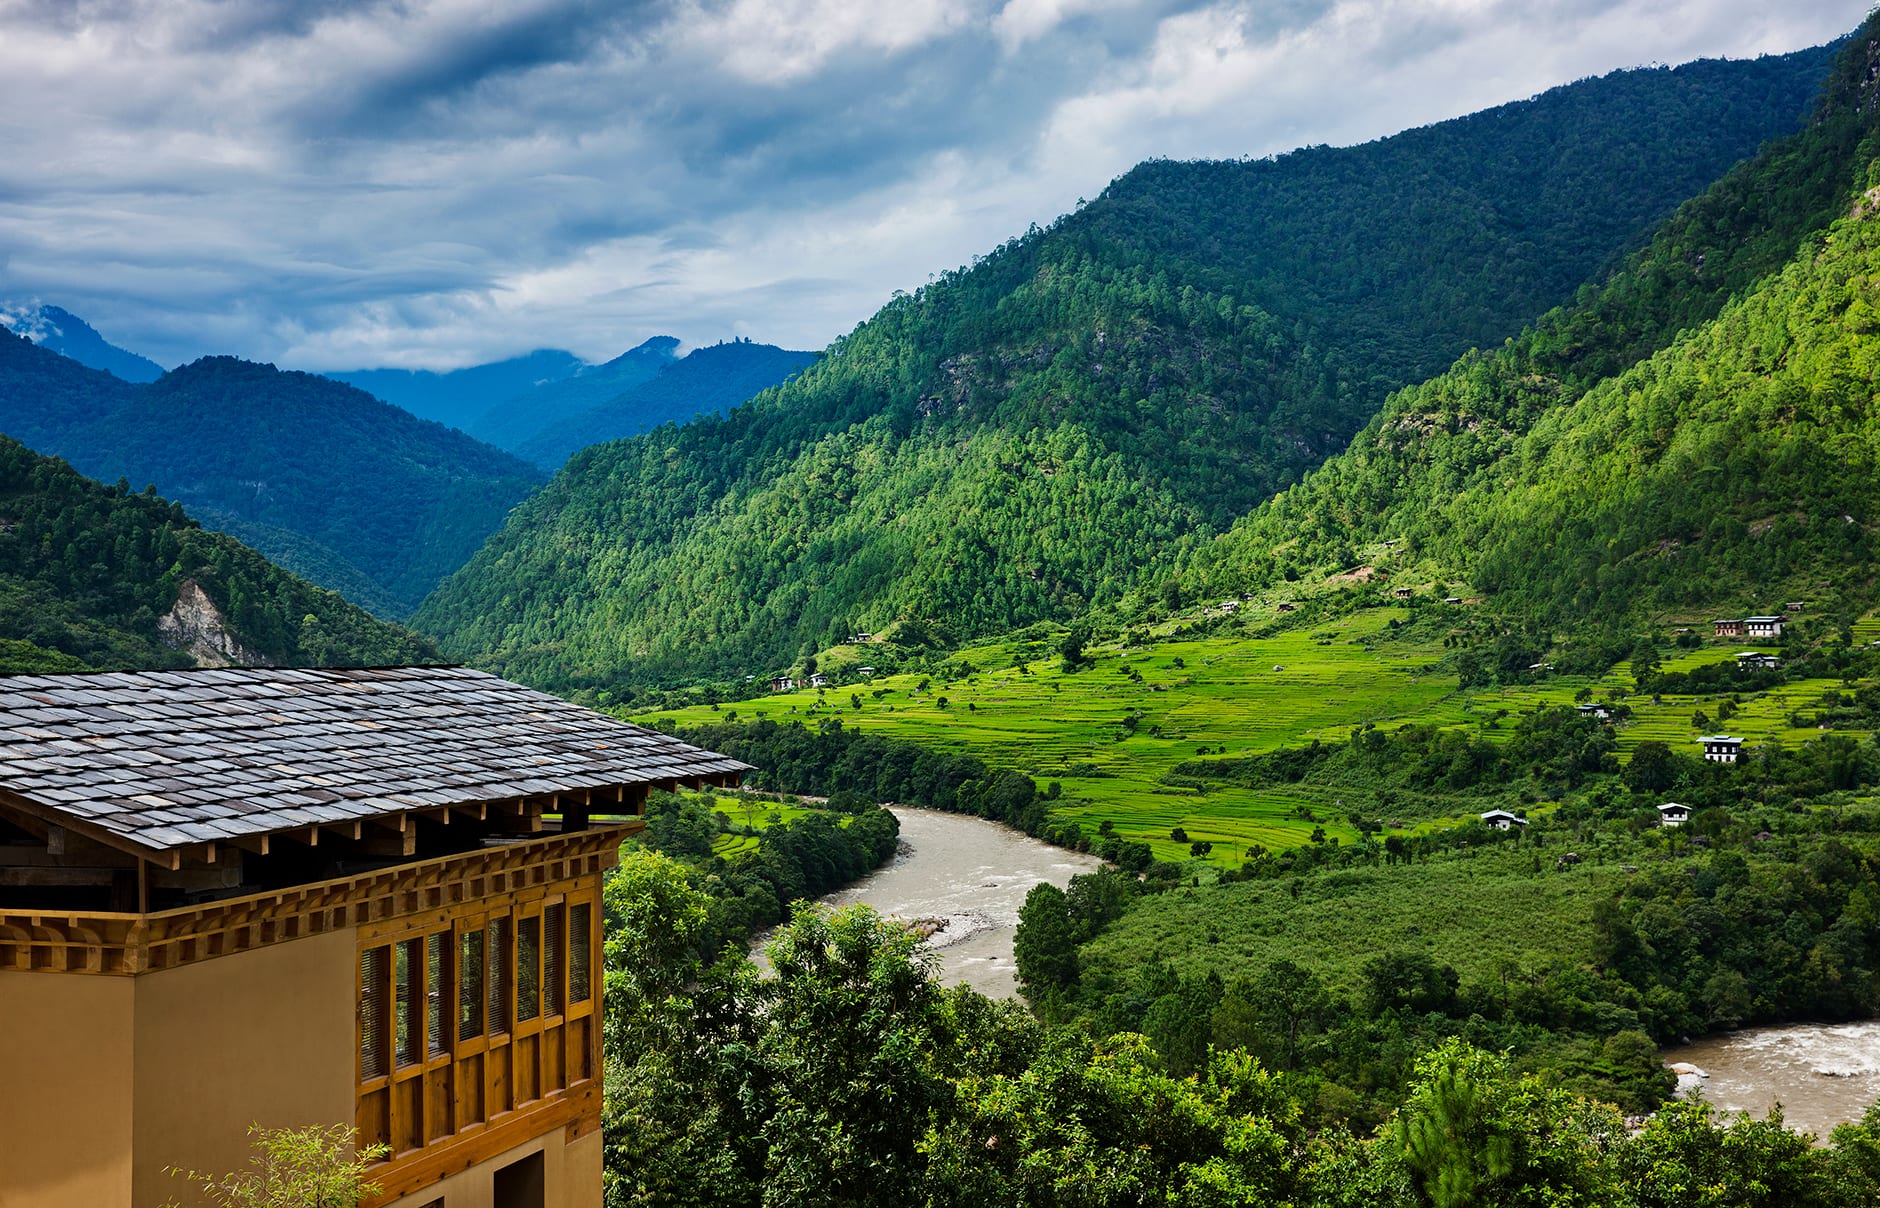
(1224, 695)
(1478, 914)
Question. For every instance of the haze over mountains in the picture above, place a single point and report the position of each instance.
(1066, 420)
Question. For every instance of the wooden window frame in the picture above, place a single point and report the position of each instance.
(506, 1072)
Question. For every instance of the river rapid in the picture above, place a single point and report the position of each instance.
(971, 876)
(1822, 1074)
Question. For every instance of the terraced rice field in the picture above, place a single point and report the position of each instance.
(1110, 733)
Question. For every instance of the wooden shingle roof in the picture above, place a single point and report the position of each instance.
(166, 759)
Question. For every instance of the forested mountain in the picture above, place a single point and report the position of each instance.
(67, 334)
(352, 492)
(703, 381)
(97, 577)
(1037, 433)
(511, 421)
(1696, 432)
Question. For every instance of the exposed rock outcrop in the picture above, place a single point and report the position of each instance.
(197, 627)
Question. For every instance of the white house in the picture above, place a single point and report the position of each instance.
(1755, 659)
(1721, 748)
(1764, 627)
(1673, 813)
(819, 680)
(1503, 820)
(782, 683)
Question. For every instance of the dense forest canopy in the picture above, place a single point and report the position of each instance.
(86, 571)
(1034, 435)
(346, 490)
(1680, 448)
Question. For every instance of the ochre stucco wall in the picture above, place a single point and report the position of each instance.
(276, 1021)
(65, 1090)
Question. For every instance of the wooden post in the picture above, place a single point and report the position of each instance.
(143, 886)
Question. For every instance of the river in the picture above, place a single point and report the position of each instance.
(972, 874)
(1823, 1074)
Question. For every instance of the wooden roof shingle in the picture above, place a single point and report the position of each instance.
(166, 759)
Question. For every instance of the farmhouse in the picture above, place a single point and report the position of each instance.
(282, 897)
(1452, 599)
(782, 683)
(1230, 605)
(1721, 748)
(819, 680)
(1756, 659)
(1764, 627)
(1287, 606)
(1401, 593)
(1602, 712)
(1672, 813)
(865, 672)
(1729, 629)
(1503, 820)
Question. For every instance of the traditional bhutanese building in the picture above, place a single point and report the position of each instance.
(1721, 748)
(309, 897)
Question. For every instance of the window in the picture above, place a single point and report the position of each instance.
(520, 1184)
(470, 985)
(436, 987)
(498, 975)
(554, 944)
(374, 1020)
(528, 968)
(580, 935)
(407, 1026)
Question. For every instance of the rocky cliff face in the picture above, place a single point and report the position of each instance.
(197, 627)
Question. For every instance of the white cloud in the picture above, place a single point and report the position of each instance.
(334, 183)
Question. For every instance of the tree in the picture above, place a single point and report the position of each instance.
(853, 1024)
(1045, 947)
(1652, 769)
(311, 1167)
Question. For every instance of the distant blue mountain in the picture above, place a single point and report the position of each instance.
(521, 415)
(706, 380)
(68, 335)
(458, 397)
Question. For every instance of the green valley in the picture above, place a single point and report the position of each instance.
(1065, 420)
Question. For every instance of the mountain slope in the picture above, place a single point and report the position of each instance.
(512, 421)
(68, 335)
(1634, 451)
(1042, 431)
(360, 489)
(704, 381)
(459, 396)
(93, 577)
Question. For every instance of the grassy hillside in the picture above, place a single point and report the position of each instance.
(1676, 446)
(352, 487)
(1035, 435)
(87, 570)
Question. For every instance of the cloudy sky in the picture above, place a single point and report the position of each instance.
(350, 183)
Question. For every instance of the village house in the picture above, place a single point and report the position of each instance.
(1452, 599)
(865, 672)
(1401, 593)
(1795, 605)
(1503, 820)
(1757, 659)
(1602, 712)
(1728, 629)
(1287, 606)
(1764, 627)
(1230, 605)
(782, 683)
(1673, 813)
(857, 639)
(819, 680)
(1721, 748)
(242, 897)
